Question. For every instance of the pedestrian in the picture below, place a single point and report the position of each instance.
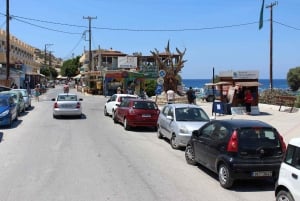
(37, 92)
(248, 101)
(119, 91)
(170, 96)
(191, 96)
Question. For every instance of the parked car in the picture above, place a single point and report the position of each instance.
(67, 104)
(111, 103)
(18, 98)
(26, 97)
(4, 88)
(137, 113)
(176, 122)
(287, 187)
(8, 110)
(237, 149)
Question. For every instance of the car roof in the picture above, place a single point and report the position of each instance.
(181, 105)
(295, 142)
(4, 95)
(141, 100)
(244, 123)
(130, 95)
(66, 94)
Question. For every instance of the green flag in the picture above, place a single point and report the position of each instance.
(261, 17)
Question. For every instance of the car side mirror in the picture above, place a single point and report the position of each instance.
(118, 104)
(195, 133)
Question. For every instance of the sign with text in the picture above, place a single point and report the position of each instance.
(127, 62)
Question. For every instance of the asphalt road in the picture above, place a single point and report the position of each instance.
(91, 159)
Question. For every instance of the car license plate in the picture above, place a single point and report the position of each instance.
(146, 115)
(262, 174)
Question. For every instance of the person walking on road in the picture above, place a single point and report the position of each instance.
(191, 96)
(37, 92)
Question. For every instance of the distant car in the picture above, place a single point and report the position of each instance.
(67, 104)
(4, 88)
(26, 97)
(111, 103)
(137, 113)
(287, 187)
(8, 110)
(237, 149)
(18, 98)
(176, 122)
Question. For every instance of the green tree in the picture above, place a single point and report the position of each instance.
(293, 78)
(70, 67)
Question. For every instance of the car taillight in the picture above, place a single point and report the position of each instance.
(55, 105)
(232, 145)
(78, 105)
(282, 143)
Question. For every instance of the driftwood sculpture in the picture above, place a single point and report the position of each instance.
(172, 64)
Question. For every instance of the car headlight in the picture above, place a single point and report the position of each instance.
(183, 129)
(3, 114)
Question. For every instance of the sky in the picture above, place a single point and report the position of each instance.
(217, 34)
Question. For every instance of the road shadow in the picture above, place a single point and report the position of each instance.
(244, 185)
(83, 117)
(1, 136)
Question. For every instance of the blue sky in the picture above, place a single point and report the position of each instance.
(203, 27)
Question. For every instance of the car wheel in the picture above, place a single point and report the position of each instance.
(113, 116)
(105, 112)
(284, 196)
(225, 177)
(173, 143)
(126, 127)
(190, 155)
(159, 135)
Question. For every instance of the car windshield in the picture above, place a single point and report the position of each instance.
(67, 98)
(145, 105)
(190, 114)
(3, 102)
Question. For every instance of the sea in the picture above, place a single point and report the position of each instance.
(265, 83)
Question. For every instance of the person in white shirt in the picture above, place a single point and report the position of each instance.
(170, 96)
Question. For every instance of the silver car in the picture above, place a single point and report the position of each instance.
(67, 104)
(26, 97)
(176, 122)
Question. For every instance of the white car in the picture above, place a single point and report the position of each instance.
(26, 97)
(288, 185)
(111, 103)
(67, 104)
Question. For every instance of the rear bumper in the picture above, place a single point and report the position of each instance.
(247, 171)
(69, 112)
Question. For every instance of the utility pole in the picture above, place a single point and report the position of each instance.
(271, 42)
(7, 42)
(45, 52)
(90, 40)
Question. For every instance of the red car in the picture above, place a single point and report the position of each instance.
(137, 113)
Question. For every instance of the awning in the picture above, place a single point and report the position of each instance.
(248, 84)
(77, 76)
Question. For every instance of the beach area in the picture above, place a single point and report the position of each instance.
(286, 122)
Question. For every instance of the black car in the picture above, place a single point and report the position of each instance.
(237, 149)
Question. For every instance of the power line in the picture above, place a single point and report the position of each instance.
(19, 18)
